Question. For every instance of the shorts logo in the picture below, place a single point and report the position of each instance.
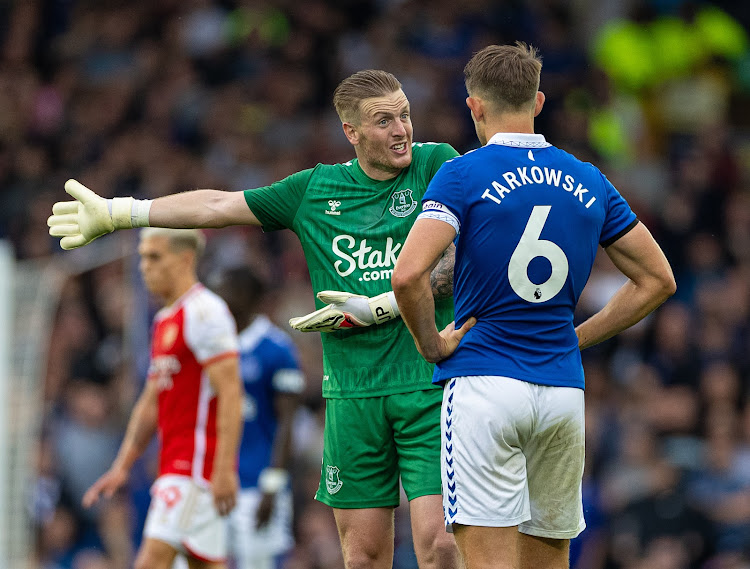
(169, 495)
(403, 203)
(333, 482)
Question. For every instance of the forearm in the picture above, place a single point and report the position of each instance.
(630, 304)
(228, 426)
(201, 208)
(140, 430)
(417, 307)
(286, 406)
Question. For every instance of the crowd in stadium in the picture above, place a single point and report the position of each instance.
(151, 98)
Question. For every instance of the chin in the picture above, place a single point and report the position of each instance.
(402, 161)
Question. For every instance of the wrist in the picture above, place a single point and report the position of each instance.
(272, 480)
(384, 307)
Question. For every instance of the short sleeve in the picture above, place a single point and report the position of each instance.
(210, 331)
(445, 189)
(441, 154)
(619, 217)
(276, 205)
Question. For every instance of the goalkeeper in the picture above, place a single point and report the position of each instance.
(382, 422)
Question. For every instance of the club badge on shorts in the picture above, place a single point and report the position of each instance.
(333, 482)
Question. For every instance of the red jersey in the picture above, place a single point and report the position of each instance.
(188, 335)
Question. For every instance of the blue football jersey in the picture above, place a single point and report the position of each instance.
(530, 218)
(268, 364)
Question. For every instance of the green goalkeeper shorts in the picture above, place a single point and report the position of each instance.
(370, 442)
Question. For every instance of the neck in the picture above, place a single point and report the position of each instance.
(509, 123)
(180, 288)
(377, 173)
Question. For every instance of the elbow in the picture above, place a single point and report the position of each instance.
(403, 280)
(671, 287)
(399, 280)
(665, 287)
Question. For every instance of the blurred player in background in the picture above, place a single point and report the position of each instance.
(261, 524)
(528, 219)
(382, 411)
(193, 396)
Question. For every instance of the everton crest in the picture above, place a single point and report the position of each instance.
(402, 203)
(333, 482)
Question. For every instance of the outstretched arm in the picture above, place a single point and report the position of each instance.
(89, 216)
(201, 208)
(651, 282)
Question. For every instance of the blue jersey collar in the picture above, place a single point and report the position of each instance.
(519, 140)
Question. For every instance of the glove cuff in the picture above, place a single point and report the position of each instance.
(128, 212)
(384, 307)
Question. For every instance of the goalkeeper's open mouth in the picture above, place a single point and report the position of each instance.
(400, 148)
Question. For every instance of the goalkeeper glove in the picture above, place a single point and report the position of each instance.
(90, 216)
(346, 310)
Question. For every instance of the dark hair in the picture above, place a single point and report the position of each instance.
(359, 86)
(245, 281)
(506, 75)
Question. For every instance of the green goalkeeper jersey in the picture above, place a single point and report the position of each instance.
(352, 228)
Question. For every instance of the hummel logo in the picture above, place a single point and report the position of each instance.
(333, 204)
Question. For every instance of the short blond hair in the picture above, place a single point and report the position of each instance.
(178, 239)
(359, 86)
(506, 75)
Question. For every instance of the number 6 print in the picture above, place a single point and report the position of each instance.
(530, 247)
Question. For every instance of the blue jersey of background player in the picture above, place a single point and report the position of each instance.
(522, 199)
(260, 525)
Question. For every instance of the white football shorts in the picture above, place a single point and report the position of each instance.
(513, 454)
(254, 548)
(183, 515)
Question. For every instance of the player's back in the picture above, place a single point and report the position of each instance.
(531, 219)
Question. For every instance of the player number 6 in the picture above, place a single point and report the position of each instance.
(530, 247)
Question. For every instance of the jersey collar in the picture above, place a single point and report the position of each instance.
(519, 140)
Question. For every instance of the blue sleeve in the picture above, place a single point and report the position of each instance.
(286, 376)
(286, 358)
(619, 217)
(446, 189)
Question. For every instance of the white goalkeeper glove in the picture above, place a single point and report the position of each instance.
(346, 310)
(90, 216)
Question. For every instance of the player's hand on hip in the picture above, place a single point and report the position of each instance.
(106, 486)
(449, 340)
(346, 310)
(224, 486)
